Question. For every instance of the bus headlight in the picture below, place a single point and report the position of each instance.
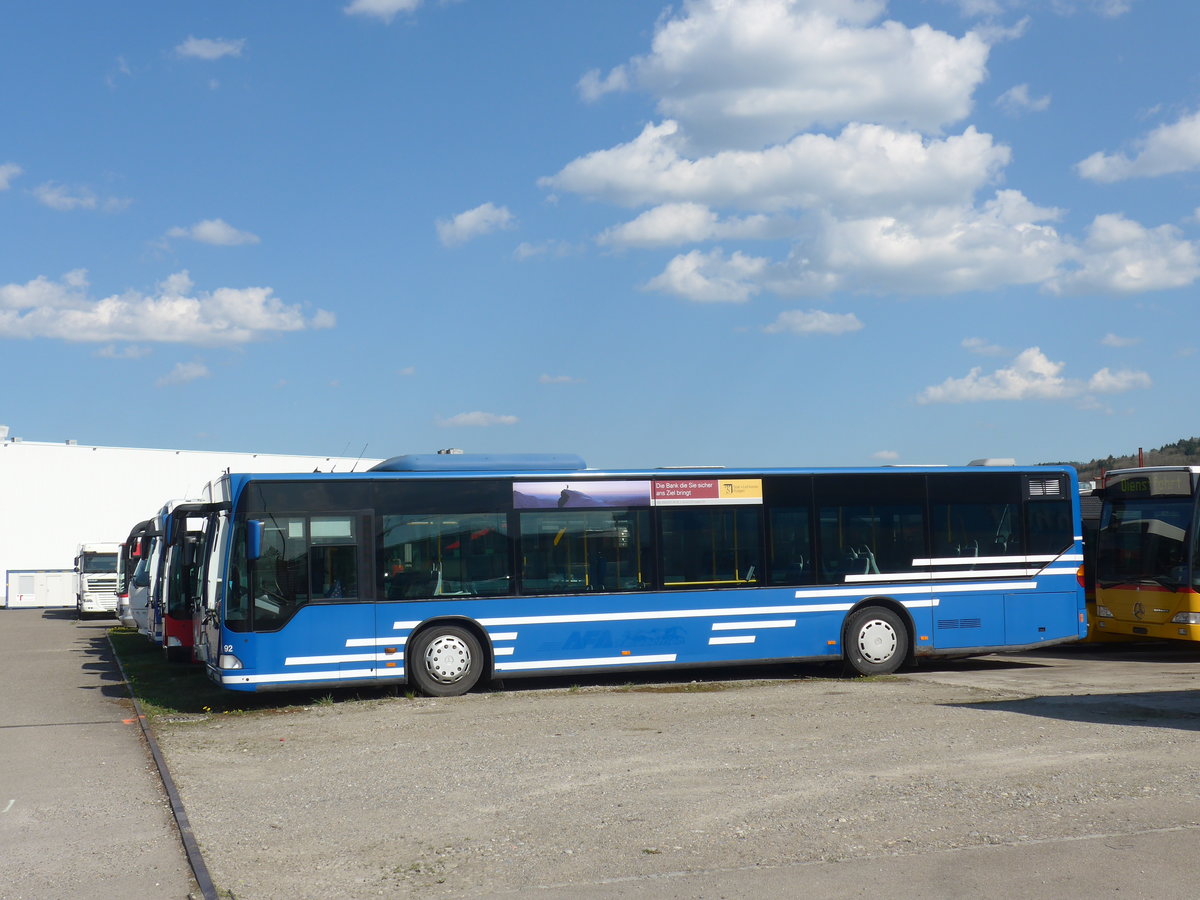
(1188, 618)
(1103, 612)
(229, 661)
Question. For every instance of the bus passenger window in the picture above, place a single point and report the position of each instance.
(707, 547)
(459, 555)
(572, 551)
(791, 547)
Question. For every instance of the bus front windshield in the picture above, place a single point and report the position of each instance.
(1145, 540)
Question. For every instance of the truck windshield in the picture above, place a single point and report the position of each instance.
(99, 562)
(1145, 540)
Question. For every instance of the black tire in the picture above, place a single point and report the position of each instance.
(876, 642)
(444, 661)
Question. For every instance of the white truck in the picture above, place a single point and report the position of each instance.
(96, 574)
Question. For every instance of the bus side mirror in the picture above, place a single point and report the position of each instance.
(254, 538)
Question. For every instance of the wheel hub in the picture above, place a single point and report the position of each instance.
(877, 641)
(447, 659)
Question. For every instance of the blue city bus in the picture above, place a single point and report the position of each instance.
(444, 571)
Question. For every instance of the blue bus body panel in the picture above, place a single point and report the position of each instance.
(366, 642)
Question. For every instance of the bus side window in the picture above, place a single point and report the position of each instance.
(791, 547)
(707, 547)
(1049, 528)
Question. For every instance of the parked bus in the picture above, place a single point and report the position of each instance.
(183, 524)
(445, 571)
(133, 551)
(1148, 558)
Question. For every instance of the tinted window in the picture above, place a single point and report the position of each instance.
(573, 551)
(711, 547)
(976, 515)
(869, 525)
(429, 555)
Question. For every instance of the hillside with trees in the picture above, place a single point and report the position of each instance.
(1185, 452)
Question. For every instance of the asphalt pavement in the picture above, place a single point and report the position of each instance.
(82, 810)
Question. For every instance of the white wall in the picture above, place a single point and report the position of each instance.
(54, 497)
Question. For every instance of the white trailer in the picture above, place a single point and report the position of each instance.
(54, 495)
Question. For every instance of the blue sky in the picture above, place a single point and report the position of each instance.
(721, 232)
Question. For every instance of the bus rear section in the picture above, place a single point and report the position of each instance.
(1147, 572)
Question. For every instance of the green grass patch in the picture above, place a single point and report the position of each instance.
(181, 689)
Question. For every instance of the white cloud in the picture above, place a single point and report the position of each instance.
(210, 48)
(1164, 151)
(863, 169)
(787, 66)
(1032, 376)
(214, 231)
(1017, 100)
(680, 223)
(385, 10)
(557, 379)
(887, 204)
(66, 199)
(1109, 382)
(710, 277)
(814, 321)
(982, 347)
(1120, 256)
(483, 219)
(174, 313)
(476, 420)
(593, 86)
(183, 373)
(1115, 340)
(129, 351)
(8, 171)
(885, 455)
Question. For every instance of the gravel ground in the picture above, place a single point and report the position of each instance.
(540, 787)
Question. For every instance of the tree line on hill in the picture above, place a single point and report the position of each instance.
(1184, 452)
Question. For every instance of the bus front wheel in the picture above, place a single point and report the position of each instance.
(444, 661)
(876, 642)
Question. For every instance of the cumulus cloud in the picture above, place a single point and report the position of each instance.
(1032, 376)
(483, 219)
(885, 455)
(1017, 100)
(175, 312)
(66, 199)
(865, 168)
(210, 48)
(982, 347)
(8, 171)
(1120, 256)
(1164, 151)
(680, 223)
(183, 373)
(814, 321)
(384, 10)
(1116, 340)
(477, 420)
(787, 67)
(710, 277)
(828, 129)
(214, 231)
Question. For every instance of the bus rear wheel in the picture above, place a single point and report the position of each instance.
(876, 642)
(444, 661)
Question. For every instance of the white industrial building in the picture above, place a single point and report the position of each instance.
(56, 496)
